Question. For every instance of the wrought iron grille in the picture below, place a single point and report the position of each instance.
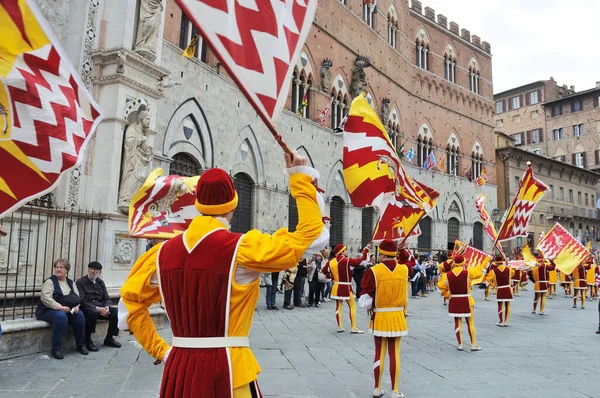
(242, 217)
(478, 235)
(185, 165)
(37, 236)
(453, 230)
(336, 212)
(292, 214)
(367, 225)
(424, 240)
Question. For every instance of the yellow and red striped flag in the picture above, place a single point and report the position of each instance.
(476, 258)
(163, 207)
(482, 179)
(488, 225)
(559, 245)
(374, 176)
(47, 116)
(529, 193)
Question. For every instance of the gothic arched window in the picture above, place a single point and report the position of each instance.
(242, 216)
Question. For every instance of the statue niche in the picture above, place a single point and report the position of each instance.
(148, 26)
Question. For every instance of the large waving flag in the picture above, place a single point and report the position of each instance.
(559, 245)
(476, 258)
(257, 41)
(374, 175)
(47, 116)
(529, 193)
(488, 224)
(163, 207)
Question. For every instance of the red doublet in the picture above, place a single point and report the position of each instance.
(579, 277)
(458, 285)
(504, 291)
(517, 276)
(342, 277)
(196, 291)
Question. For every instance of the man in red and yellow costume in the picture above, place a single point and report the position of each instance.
(461, 304)
(567, 283)
(443, 269)
(590, 277)
(515, 279)
(340, 270)
(384, 295)
(209, 279)
(580, 282)
(502, 275)
(539, 277)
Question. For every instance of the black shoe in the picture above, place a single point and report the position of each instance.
(276, 308)
(91, 346)
(269, 307)
(57, 354)
(317, 305)
(310, 305)
(111, 342)
(597, 332)
(83, 350)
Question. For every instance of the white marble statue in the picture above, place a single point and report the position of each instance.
(148, 26)
(136, 158)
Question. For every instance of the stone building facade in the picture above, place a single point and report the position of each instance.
(430, 82)
(571, 200)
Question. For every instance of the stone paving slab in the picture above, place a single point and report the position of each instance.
(555, 355)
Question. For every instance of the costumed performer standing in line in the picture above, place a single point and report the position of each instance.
(590, 277)
(443, 269)
(340, 270)
(539, 277)
(462, 304)
(502, 275)
(384, 295)
(515, 279)
(580, 283)
(209, 278)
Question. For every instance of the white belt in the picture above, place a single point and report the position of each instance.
(342, 283)
(460, 295)
(389, 309)
(500, 287)
(210, 342)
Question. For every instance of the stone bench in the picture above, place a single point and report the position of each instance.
(30, 336)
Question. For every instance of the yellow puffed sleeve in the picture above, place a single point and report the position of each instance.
(138, 293)
(283, 250)
(443, 282)
(476, 272)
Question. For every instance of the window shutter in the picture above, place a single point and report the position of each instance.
(509, 104)
(539, 95)
(528, 137)
(596, 98)
(504, 106)
(522, 138)
(522, 101)
(597, 156)
(527, 97)
(541, 133)
(572, 107)
(584, 160)
(573, 161)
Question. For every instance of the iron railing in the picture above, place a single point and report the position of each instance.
(36, 236)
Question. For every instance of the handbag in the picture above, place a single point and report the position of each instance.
(322, 277)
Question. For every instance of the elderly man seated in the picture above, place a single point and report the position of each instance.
(95, 303)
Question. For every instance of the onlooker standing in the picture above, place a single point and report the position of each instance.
(328, 284)
(299, 283)
(288, 286)
(315, 286)
(59, 306)
(271, 280)
(96, 304)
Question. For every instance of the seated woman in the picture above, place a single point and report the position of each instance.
(59, 306)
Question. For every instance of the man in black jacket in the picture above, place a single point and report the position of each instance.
(95, 303)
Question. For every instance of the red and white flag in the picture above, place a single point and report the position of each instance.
(47, 116)
(324, 113)
(257, 41)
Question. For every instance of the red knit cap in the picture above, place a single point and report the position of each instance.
(215, 193)
(459, 259)
(388, 247)
(339, 248)
(403, 255)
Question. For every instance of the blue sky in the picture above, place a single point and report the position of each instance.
(533, 39)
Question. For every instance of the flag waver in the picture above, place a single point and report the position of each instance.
(47, 116)
(562, 247)
(529, 193)
(257, 41)
(374, 176)
(488, 225)
(163, 207)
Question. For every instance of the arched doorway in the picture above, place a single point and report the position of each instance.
(185, 165)
(424, 240)
(292, 214)
(478, 235)
(453, 232)
(366, 226)
(336, 213)
(242, 217)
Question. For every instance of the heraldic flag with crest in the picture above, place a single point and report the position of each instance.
(529, 194)
(559, 245)
(374, 175)
(47, 116)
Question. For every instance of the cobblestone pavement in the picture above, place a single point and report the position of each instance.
(301, 355)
